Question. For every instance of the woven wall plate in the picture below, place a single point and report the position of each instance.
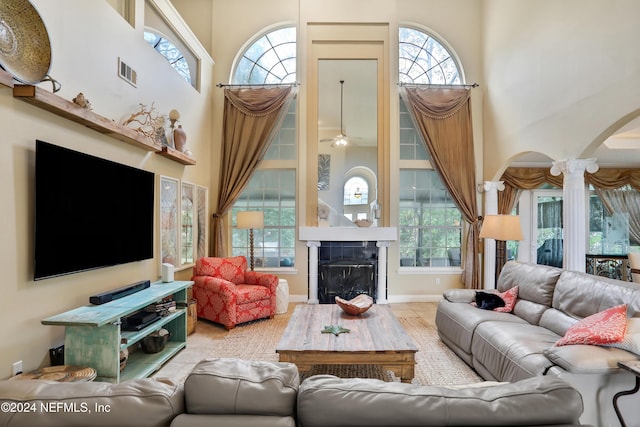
(25, 50)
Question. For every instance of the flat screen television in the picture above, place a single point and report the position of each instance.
(89, 212)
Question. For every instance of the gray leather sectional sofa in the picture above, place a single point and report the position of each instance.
(233, 393)
(519, 345)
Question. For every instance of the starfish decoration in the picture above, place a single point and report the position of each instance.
(334, 329)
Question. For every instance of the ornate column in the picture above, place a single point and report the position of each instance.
(574, 206)
(490, 189)
(313, 246)
(381, 297)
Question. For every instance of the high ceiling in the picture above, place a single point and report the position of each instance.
(622, 150)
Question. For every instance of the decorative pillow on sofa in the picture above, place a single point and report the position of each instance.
(509, 297)
(605, 327)
(631, 340)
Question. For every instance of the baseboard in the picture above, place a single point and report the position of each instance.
(391, 299)
(413, 298)
(298, 298)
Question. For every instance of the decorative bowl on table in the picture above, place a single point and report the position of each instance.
(355, 306)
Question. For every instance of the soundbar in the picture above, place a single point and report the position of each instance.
(119, 293)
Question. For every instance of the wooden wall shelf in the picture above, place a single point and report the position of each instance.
(57, 105)
(176, 155)
(67, 109)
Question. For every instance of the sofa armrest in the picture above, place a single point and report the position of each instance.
(460, 295)
(131, 403)
(588, 359)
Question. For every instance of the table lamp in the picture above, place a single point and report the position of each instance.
(501, 228)
(250, 220)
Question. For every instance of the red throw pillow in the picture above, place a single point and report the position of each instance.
(509, 296)
(605, 327)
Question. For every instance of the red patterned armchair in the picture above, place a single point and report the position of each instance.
(229, 294)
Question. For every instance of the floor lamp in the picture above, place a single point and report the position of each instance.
(501, 228)
(250, 220)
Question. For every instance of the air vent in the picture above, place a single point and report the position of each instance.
(127, 73)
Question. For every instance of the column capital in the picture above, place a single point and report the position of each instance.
(383, 243)
(493, 185)
(574, 166)
(313, 244)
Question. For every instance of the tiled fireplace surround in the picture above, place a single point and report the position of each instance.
(349, 243)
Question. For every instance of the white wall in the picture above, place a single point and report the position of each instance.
(558, 74)
(87, 37)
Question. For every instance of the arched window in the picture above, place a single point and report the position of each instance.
(424, 59)
(430, 222)
(163, 37)
(271, 59)
(356, 191)
(171, 53)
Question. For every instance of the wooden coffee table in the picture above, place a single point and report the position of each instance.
(376, 337)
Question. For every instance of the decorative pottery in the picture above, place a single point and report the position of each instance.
(355, 306)
(179, 138)
(363, 222)
(155, 341)
(25, 49)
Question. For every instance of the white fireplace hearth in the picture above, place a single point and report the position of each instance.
(314, 236)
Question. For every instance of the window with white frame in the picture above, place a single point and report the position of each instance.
(271, 59)
(356, 191)
(430, 222)
(271, 191)
(167, 42)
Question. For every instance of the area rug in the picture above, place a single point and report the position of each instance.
(436, 364)
(257, 340)
(349, 371)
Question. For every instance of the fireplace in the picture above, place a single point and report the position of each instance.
(346, 279)
(346, 269)
(346, 256)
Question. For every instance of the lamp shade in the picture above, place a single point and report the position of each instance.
(250, 219)
(501, 227)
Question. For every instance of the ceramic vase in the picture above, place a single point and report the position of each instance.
(179, 138)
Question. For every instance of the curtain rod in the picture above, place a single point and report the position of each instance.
(472, 85)
(258, 85)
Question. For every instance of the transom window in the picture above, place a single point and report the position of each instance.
(271, 59)
(162, 37)
(424, 59)
(430, 222)
(171, 53)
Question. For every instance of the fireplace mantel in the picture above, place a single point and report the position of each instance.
(315, 235)
(348, 234)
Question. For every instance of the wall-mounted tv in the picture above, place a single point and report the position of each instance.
(89, 212)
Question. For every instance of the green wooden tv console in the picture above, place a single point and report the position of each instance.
(94, 335)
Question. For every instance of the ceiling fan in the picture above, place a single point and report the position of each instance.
(341, 139)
